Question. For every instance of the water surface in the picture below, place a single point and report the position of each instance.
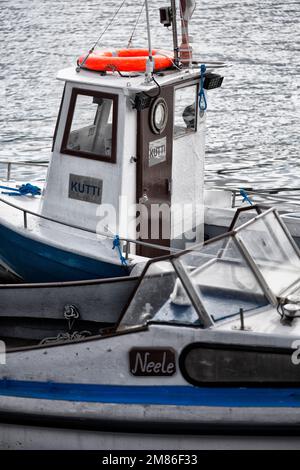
(253, 120)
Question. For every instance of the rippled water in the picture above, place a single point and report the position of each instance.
(253, 120)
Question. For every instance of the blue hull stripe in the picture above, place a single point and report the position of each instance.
(155, 395)
(35, 261)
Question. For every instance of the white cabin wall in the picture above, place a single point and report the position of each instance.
(188, 180)
(56, 203)
(128, 176)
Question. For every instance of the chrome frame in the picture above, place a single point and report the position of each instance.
(287, 233)
(204, 316)
(253, 266)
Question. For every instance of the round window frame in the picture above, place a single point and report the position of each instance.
(158, 129)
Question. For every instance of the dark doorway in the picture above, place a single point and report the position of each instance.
(154, 171)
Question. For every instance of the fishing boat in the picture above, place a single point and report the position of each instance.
(208, 343)
(129, 143)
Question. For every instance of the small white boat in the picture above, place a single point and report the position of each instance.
(208, 343)
(129, 140)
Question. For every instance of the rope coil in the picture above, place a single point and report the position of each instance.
(23, 190)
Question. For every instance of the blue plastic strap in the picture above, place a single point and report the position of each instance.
(245, 197)
(201, 94)
(116, 244)
(22, 190)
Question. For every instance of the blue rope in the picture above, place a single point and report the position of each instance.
(245, 197)
(22, 190)
(201, 94)
(116, 244)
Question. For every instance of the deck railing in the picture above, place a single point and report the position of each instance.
(128, 241)
(9, 164)
(272, 196)
(26, 212)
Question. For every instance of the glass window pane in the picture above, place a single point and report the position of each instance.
(222, 279)
(272, 252)
(185, 119)
(237, 366)
(92, 126)
(160, 297)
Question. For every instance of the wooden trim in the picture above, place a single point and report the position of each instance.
(82, 154)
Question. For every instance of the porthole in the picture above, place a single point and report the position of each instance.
(158, 116)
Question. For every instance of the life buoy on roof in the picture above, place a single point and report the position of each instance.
(126, 60)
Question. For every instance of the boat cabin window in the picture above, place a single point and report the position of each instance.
(185, 115)
(155, 300)
(204, 364)
(91, 126)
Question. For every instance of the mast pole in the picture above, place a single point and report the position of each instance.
(175, 35)
(186, 10)
(150, 64)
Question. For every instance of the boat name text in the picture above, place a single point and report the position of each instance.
(157, 151)
(85, 188)
(152, 362)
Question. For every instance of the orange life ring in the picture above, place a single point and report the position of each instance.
(126, 60)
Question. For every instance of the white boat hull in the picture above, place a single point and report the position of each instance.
(85, 390)
(152, 428)
(17, 437)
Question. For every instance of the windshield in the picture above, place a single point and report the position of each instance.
(154, 299)
(273, 252)
(222, 278)
(241, 271)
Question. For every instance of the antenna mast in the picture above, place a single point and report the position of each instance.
(175, 36)
(149, 65)
(187, 8)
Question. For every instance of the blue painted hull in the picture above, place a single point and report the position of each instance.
(38, 262)
(144, 410)
(176, 395)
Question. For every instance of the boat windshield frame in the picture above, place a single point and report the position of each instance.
(206, 319)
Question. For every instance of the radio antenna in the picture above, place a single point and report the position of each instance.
(149, 64)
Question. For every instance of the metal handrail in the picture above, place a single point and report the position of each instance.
(95, 232)
(19, 163)
(273, 195)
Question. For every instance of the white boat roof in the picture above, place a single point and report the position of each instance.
(127, 82)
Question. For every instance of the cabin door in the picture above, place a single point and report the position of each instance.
(154, 172)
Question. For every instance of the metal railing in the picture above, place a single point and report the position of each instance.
(272, 196)
(111, 236)
(27, 212)
(9, 164)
